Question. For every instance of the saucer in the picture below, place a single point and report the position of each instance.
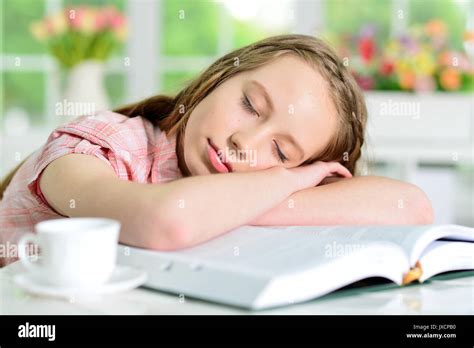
(123, 278)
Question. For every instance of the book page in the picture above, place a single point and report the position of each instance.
(275, 250)
(416, 243)
(275, 264)
(281, 249)
(442, 256)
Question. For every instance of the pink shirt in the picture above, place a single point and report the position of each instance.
(133, 147)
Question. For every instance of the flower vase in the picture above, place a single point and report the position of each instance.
(84, 93)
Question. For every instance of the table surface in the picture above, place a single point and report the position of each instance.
(451, 293)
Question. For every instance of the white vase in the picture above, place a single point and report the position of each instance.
(85, 93)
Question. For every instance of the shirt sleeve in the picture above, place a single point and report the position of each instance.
(121, 142)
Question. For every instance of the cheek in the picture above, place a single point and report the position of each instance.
(220, 116)
(199, 120)
(234, 120)
(225, 119)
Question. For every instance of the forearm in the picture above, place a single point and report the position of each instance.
(361, 200)
(208, 205)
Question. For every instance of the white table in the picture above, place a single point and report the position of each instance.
(443, 295)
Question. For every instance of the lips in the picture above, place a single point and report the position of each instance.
(212, 151)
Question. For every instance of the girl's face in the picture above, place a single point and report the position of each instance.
(280, 114)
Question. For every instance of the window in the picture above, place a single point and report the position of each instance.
(187, 36)
(452, 12)
(28, 72)
(349, 16)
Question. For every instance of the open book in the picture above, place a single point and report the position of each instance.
(260, 267)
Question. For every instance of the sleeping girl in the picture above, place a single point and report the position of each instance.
(269, 134)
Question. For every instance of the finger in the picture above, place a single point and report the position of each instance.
(335, 167)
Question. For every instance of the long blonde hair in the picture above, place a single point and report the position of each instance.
(172, 113)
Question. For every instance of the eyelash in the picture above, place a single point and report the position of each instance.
(248, 107)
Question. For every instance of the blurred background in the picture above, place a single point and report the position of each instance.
(413, 58)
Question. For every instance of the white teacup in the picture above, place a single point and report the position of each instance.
(75, 252)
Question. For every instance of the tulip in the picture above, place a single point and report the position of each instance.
(58, 24)
(121, 32)
(450, 79)
(109, 13)
(39, 30)
(75, 17)
(100, 21)
(88, 21)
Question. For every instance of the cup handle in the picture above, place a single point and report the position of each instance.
(22, 254)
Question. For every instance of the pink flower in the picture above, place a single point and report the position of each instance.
(110, 14)
(117, 21)
(386, 68)
(100, 21)
(75, 16)
(425, 84)
(365, 82)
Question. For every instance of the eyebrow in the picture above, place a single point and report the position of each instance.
(271, 107)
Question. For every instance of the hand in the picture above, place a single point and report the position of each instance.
(312, 174)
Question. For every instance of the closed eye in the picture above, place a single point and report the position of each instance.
(249, 108)
(281, 155)
(247, 105)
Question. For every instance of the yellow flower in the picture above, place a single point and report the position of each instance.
(393, 47)
(88, 20)
(121, 32)
(39, 30)
(424, 63)
(402, 65)
(58, 23)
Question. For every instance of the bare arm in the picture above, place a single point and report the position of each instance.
(162, 216)
(209, 205)
(82, 185)
(177, 214)
(351, 201)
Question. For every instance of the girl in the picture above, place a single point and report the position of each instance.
(252, 140)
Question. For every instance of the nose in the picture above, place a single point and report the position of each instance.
(246, 141)
(238, 144)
